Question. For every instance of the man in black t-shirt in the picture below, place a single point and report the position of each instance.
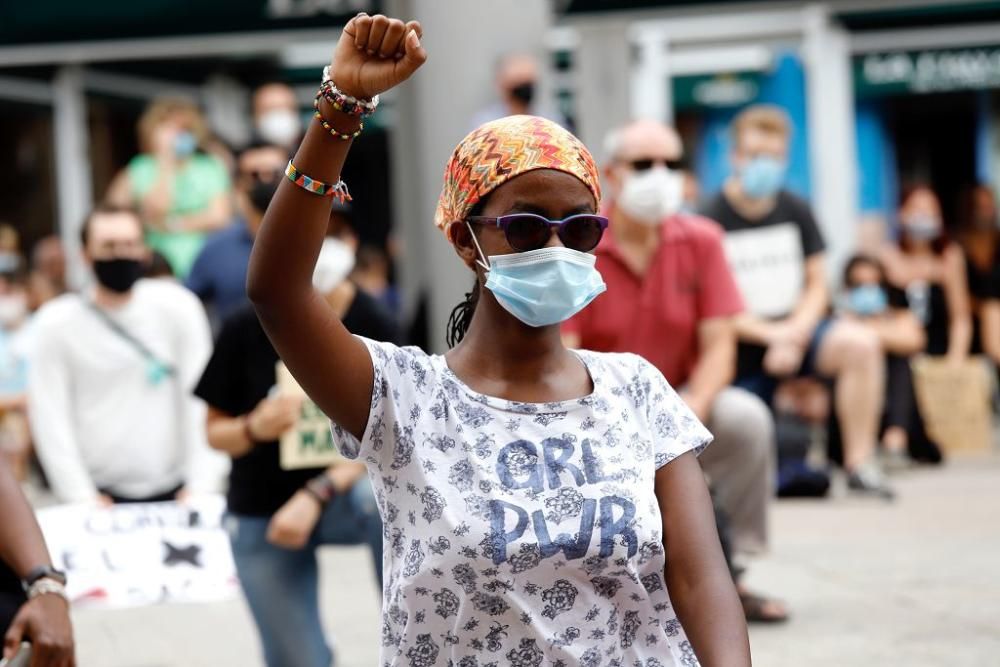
(777, 254)
(277, 518)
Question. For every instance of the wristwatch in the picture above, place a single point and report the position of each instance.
(43, 572)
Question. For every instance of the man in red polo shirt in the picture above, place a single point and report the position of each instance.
(671, 299)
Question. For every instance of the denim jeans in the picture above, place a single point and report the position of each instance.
(282, 585)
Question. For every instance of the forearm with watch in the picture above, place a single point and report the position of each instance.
(22, 546)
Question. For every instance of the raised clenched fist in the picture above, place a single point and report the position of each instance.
(376, 53)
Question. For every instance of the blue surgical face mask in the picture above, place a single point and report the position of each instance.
(763, 176)
(544, 286)
(921, 227)
(185, 144)
(867, 300)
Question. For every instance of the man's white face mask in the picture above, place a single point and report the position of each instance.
(279, 126)
(652, 195)
(336, 259)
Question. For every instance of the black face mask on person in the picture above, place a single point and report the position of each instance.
(118, 274)
(523, 93)
(261, 193)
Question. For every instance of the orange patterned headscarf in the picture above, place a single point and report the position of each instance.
(502, 149)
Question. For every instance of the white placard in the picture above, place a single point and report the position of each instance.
(142, 554)
(769, 267)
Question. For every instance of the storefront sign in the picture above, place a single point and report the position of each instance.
(142, 554)
(715, 91)
(879, 74)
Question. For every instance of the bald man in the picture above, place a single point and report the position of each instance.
(672, 299)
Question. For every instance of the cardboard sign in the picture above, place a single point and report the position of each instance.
(954, 402)
(310, 443)
(142, 554)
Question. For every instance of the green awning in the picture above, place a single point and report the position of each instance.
(52, 21)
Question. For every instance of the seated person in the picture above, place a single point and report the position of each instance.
(929, 269)
(777, 255)
(866, 300)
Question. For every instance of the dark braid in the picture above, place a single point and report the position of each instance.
(461, 315)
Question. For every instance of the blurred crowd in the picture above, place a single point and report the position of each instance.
(119, 394)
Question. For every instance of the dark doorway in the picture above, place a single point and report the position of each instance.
(935, 139)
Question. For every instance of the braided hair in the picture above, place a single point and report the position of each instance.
(461, 315)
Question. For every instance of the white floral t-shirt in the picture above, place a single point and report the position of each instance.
(523, 534)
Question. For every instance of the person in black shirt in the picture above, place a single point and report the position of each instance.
(277, 518)
(41, 616)
(979, 237)
(777, 255)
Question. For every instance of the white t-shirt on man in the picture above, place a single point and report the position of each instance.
(523, 533)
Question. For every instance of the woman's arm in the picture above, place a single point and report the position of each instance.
(120, 191)
(956, 293)
(332, 366)
(44, 619)
(700, 586)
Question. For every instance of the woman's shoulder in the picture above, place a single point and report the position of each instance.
(619, 367)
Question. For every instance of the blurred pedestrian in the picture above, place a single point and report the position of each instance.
(277, 118)
(110, 375)
(33, 602)
(866, 299)
(777, 255)
(47, 279)
(181, 192)
(516, 81)
(928, 267)
(671, 299)
(979, 237)
(219, 274)
(277, 518)
(520, 482)
(15, 439)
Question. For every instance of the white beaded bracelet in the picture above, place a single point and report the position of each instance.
(46, 586)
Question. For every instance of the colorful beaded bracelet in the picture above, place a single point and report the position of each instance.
(351, 105)
(338, 190)
(329, 128)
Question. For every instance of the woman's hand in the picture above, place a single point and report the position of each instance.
(291, 526)
(44, 621)
(376, 53)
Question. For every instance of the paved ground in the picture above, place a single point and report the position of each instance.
(914, 583)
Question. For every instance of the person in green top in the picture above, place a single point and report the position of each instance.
(181, 193)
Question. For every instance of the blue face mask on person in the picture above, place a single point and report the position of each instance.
(763, 176)
(544, 286)
(867, 300)
(185, 144)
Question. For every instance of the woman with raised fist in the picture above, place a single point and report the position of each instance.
(532, 496)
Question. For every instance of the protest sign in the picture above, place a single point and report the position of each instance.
(144, 553)
(309, 444)
(954, 402)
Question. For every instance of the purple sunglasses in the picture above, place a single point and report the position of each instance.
(527, 231)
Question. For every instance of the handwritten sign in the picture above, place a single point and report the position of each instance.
(954, 403)
(142, 554)
(309, 444)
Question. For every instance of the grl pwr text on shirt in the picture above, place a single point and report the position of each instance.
(524, 465)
